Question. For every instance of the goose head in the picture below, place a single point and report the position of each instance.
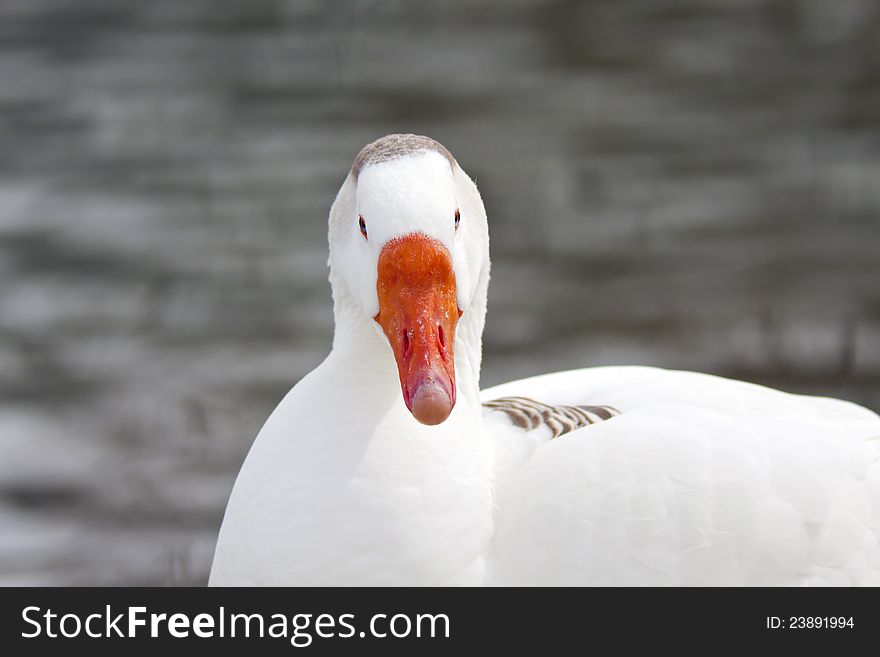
(408, 237)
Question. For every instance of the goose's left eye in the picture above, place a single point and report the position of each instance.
(363, 225)
(457, 218)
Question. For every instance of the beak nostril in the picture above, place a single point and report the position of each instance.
(406, 344)
(440, 337)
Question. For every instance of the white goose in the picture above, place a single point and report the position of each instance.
(384, 467)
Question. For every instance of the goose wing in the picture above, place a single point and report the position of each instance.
(695, 480)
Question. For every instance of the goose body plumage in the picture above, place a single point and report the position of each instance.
(699, 481)
(691, 479)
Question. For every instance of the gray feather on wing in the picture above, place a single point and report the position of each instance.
(529, 414)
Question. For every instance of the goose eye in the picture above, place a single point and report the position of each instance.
(363, 225)
(457, 218)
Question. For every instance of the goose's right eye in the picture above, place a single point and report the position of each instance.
(363, 226)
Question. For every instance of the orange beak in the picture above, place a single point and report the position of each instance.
(418, 313)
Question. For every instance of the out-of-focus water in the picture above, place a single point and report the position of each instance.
(687, 184)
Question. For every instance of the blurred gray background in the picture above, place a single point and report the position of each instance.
(696, 182)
